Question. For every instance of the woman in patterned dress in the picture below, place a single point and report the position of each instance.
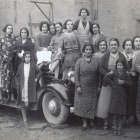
(130, 55)
(56, 49)
(86, 79)
(71, 48)
(6, 51)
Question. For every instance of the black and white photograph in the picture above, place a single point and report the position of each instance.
(69, 69)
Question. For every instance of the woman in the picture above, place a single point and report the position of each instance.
(136, 41)
(102, 49)
(83, 26)
(52, 29)
(96, 36)
(56, 49)
(130, 56)
(107, 65)
(6, 51)
(71, 48)
(86, 79)
(24, 44)
(43, 39)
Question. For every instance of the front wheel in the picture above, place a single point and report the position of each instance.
(54, 110)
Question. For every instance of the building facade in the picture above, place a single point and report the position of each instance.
(117, 18)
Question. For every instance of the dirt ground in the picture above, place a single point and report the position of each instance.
(16, 130)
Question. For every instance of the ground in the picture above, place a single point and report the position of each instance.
(12, 128)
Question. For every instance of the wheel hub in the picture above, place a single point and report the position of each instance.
(52, 106)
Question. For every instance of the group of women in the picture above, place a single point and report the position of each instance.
(79, 47)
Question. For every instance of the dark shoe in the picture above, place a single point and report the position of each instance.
(115, 132)
(135, 121)
(7, 101)
(119, 132)
(83, 128)
(105, 127)
(1, 101)
(13, 100)
(127, 123)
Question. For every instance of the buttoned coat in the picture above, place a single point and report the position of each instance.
(119, 92)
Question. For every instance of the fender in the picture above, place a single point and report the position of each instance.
(61, 88)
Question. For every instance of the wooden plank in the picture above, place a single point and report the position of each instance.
(33, 24)
(40, 2)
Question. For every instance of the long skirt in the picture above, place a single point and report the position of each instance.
(104, 102)
(85, 105)
(138, 97)
(70, 58)
(131, 97)
(6, 75)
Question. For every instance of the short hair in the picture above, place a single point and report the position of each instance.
(121, 61)
(134, 39)
(41, 24)
(114, 39)
(25, 53)
(5, 27)
(88, 13)
(24, 28)
(101, 40)
(65, 24)
(58, 23)
(87, 44)
(96, 25)
(128, 39)
(51, 24)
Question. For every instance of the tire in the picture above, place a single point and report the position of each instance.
(54, 110)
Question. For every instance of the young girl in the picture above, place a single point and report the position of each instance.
(27, 76)
(118, 80)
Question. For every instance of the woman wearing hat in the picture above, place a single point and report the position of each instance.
(83, 26)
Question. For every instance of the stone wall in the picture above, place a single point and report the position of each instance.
(115, 17)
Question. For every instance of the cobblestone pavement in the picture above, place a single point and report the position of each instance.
(12, 128)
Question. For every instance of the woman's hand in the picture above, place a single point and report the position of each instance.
(121, 82)
(79, 90)
(99, 89)
(19, 55)
(49, 48)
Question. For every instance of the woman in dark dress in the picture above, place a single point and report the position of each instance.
(24, 44)
(130, 55)
(83, 26)
(136, 41)
(107, 65)
(86, 79)
(96, 36)
(7, 49)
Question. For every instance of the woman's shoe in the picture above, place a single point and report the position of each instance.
(115, 132)
(1, 101)
(13, 100)
(119, 132)
(7, 101)
(135, 121)
(83, 128)
(105, 127)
